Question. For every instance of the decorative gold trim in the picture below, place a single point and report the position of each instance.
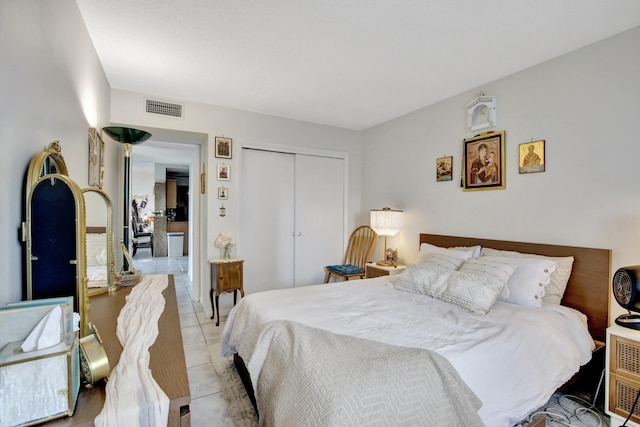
(49, 157)
(113, 280)
(81, 256)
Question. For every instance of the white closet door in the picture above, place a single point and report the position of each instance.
(319, 216)
(266, 226)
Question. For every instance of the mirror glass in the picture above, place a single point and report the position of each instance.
(101, 275)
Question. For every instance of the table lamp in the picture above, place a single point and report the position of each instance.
(385, 222)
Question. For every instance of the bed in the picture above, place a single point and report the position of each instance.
(510, 375)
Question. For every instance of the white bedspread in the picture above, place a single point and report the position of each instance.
(513, 358)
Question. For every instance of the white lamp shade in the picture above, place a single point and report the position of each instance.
(386, 221)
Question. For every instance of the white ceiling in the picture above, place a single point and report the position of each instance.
(346, 63)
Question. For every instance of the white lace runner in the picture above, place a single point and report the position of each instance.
(133, 398)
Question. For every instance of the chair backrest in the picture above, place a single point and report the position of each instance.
(360, 246)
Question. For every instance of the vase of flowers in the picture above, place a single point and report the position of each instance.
(224, 241)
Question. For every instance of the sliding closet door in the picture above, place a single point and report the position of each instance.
(266, 217)
(319, 216)
(291, 218)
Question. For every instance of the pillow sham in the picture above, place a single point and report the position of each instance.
(476, 249)
(527, 284)
(472, 292)
(427, 249)
(422, 279)
(442, 260)
(558, 278)
(499, 270)
(95, 246)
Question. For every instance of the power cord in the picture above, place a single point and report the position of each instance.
(633, 408)
(563, 418)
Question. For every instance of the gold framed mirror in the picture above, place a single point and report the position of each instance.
(100, 265)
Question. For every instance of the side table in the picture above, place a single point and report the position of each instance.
(371, 269)
(226, 276)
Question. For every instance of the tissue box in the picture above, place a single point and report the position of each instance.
(39, 385)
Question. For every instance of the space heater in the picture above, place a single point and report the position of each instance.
(626, 290)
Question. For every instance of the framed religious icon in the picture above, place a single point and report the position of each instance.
(484, 162)
(481, 112)
(444, 168)
(531, 157)
(223, 193)
(96, 159)
(223, 173)
(223, 147)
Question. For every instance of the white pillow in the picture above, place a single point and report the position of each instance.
(442, 260)
(527, 284)
(422, 279)
(497, 269)
(474, 293)
(558, 279)
(427, 248)
(476, 249)
(96, 244)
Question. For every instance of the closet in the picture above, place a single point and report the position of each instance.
(291, 218)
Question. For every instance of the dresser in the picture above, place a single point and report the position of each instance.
(623, 375)
(226, 276)
(167, 362)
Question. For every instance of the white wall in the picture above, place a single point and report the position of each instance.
(584, 104)
(53, 88)
(244, 128)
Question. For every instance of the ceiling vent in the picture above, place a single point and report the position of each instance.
(163, 108)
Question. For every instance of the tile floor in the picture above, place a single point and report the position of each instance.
(201, 341)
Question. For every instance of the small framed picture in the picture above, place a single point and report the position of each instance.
(96, 159)
(223, 193)
(391, 257)
(223, 173)
(484, 162)
(531, 157)
(444, 168)
(223, 147)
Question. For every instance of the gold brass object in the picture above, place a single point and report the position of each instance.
(94, 363)
(113, 281)
(48, 168)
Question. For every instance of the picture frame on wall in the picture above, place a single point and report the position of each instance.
(224, 172)
(96, 159)
(531, 157)
(223, 147)
(484, 162)
(223, 193)
(444, 168)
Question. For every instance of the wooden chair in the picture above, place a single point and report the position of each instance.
(359, 250)
(141, 239)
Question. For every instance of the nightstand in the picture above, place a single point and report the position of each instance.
(226, 276)
(623, 375)
(371, 269)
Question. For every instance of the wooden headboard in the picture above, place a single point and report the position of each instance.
(589, 284)
(96, 230)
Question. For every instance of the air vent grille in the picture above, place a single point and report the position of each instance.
(164, 108)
